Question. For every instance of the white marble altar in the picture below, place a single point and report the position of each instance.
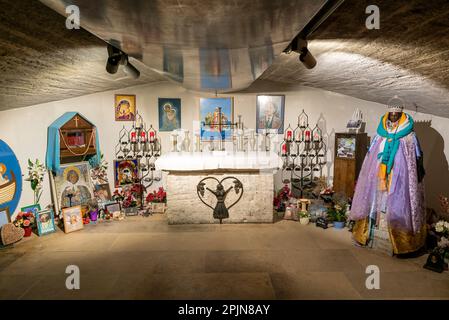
(185, 170)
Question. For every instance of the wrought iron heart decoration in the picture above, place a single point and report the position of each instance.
(220, 211)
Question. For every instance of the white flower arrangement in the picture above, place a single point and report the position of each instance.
(442, 227)
(36, 173)
(443, 243)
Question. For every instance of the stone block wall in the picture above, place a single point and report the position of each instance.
(184, 206)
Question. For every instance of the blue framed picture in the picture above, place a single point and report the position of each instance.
(209, 118)
(169, 114)
(45, 221)
(270, 113)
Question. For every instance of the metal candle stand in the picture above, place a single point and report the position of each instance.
(143, 145)
(304, 153)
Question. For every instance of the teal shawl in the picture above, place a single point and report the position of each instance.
(392, 141)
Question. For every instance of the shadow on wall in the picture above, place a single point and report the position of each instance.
(436, 181)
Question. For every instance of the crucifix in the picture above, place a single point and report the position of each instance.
(76, 119)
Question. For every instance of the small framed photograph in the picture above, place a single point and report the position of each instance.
(73, 219)
(45, 221)
(103, 192)
(35, 208)
(5, 218)
(113, 207)
(270, 111)
(346, 147)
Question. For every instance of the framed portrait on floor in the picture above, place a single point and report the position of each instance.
(209, 117)
(126, 172)
(5, 218)
(103, 192)
(270, 113)
(34, 208)
(45, 221)
(73, 219)
(125, 107)
(169, 114)
(73, 185)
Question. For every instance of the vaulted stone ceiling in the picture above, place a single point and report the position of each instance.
(408, 56)
(41, 61)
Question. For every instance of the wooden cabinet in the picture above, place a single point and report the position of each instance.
(350, 151)
(77, 140)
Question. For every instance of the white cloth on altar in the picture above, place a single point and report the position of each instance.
(196, 161)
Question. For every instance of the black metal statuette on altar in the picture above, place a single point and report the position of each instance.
(220, 211)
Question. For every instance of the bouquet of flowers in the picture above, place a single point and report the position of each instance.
(100, 173)
(128, 197)
(24, 220)
(442, 228)
(36, 171)
(159, 196)
(283, 195)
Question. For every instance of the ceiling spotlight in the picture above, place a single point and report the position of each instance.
(304, 55)
(117, 58)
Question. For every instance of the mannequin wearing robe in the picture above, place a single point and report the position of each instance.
(390, 184)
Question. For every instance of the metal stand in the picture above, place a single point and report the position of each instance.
(143, 145)
(304, 153)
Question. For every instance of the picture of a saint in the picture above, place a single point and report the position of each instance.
(210, 116)
(216, 119)
(169, 114)
(125, 108)
(125, 172)
(270, 113)
(74, 191)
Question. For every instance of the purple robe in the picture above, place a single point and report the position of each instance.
(405, 210)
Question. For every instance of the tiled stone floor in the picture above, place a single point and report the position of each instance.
(144, 258)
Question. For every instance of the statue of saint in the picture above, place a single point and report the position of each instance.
(390, 188)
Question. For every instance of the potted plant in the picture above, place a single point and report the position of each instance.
(304, 217)
(36, 171)
(157, 200)
(26, 221)
(337, 213)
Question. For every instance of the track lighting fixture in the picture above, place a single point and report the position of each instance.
(299, 45)
(117, 58)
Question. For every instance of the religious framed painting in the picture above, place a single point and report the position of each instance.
(346, 147)
(45, 221)
(73, 185)
(5, 218)
(125, 107)
(270, 113)
(73, 219)
(169, 114)
(125, 172)
(210, 109)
